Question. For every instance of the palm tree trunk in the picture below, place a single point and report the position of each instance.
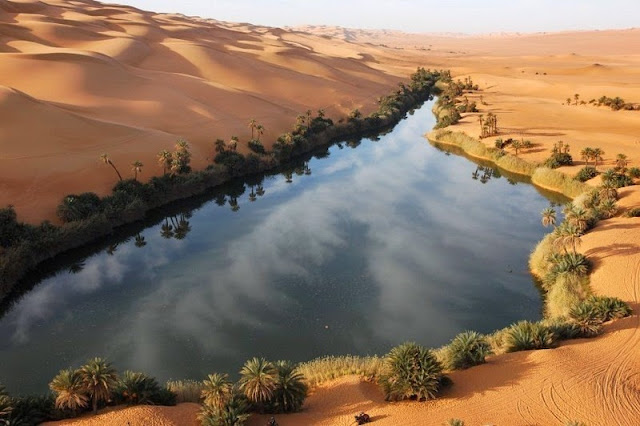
(114, 168)
(95, 403)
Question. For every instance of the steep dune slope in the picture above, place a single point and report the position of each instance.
(87, 78)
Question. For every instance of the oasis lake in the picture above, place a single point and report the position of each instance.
(373, 243)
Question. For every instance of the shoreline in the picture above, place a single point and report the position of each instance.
(18, 260)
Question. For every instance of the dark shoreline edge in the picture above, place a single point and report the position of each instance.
(20, 261)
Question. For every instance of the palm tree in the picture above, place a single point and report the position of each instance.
(621, 162)
(308, 113)
(548, 217)
(98, 379)
(164, 158)
(183, 227)
(106, 160)
(166, 231)
(258, 380)
(586, 155)
(136, 167)
(260, 191)
(70, 390)
(568, 101)
(112, 249)
(233, 144)
(233, 203)
(321, 113)
(608, 190)
(252, 195)
(140, 242)
(567, 235)
(291, 390)
(234, 413)
(577, 216)
(220, 145)
(260, 130)
(597, 154)
(481, 121)
(253, 124)
(576, 97)
(216, 390)
(6, 406)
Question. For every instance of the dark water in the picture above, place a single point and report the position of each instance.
(383, 241)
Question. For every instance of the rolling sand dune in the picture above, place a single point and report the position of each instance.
(81, 78)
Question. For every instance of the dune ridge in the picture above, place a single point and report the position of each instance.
(80, 78)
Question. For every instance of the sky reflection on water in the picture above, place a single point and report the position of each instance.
(388, 242)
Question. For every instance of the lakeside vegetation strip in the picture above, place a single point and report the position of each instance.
(89, 217)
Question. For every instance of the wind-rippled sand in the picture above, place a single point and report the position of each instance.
(81, 78)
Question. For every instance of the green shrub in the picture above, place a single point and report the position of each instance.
(586, 173)
(635, 212)
(587, 318)
(290, 391)
(412, 372)
(6, 405)
(186, 390)
(563, 329)
(616, 179)
(634, 172)
(559, 159)
(466, 350)
(31, 410)
(135, 388)
(608, 307)
(256, 146)
(234, 413)
(575, 264)
(79, 207)
(526, 335)
(234, 161)
(454, 422)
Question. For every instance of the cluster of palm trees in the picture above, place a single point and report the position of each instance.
(264, 386)
(92, 383)
(136, 166)
(175, 227)
(488, 126)
(595, 154)
(576, 98)
(177, 161)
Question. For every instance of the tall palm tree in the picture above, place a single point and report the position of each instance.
(164, 159)
(568, 101)
(548, 217)
(260, 130)
(216, 390)
(140, 241)
(70, 391)
(136, 167)
(252, 195)
(233, 143)
(597, 154)
(166, 231)
(308, 114)
(586, 155)
(220, 145)
(567, 235)
(576, 97)
(99, 379)
(608, 190)
(258, 380)
(291, 390)
(621, 162)
(577, 216)
(233, 203)
(481, 121)
(321, 113)
(253, 124)
(260, 191)
(106, 160)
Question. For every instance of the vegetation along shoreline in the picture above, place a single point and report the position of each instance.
(87, 217)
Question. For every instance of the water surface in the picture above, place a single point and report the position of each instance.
(380, 242)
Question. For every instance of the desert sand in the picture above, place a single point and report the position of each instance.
(80, 78)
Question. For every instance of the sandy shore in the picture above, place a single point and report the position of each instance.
(79, 78)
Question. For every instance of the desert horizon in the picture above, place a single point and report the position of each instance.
(294, 125)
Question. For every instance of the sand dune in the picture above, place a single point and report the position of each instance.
(120, 80)
(81, 78)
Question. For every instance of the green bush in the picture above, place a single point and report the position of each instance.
(256, 146)
(412, 372)
(586, 173)
(454, 422)
(563, 329)
(587, 318)
(79, 207)
(234, 413)
(575, 264)
(31, 410)
(6, 405)
(616, 179)
(559, 159)
(526, 335)
(135, 388)
(290, 391)
(608, 307)
(466, 350)
(635, 212)
(234, 161)
(634, 172)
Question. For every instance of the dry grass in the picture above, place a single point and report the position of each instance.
(566, 292)
(324, 369)
(186, 390)
(558, 181)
